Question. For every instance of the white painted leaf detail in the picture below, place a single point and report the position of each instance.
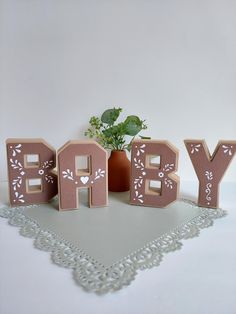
(19, 197)
(168, 167)
(49, 178)
(16, 164)
(68, 174)
(209, 175)
(138, 197)
(16, 149)
(227, 149)
(138, 164)
(140, 149)
(195, 148)
(99, 173)
(138, 182)
(168, 183)
(17, 183)
(48, 164)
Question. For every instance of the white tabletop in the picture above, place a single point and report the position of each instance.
(200, 278)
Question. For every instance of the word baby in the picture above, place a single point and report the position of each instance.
(33, 179)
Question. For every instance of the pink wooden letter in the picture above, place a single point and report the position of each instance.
(71, 178)
(30, 164)
(210, 169)
(153, 183)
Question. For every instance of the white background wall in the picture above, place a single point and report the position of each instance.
(171, 62)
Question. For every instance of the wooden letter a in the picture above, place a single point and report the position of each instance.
(72, 178)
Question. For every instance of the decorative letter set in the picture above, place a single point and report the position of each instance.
(105, 245)
(33, 180)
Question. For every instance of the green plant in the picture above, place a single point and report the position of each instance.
(113, 136)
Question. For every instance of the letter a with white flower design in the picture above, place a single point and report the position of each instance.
(210, 169)
(72, 178)
(30, 165)
(153, 179)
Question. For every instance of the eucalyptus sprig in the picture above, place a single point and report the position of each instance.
(112, 135)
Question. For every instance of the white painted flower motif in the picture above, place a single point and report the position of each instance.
(228, 149)
(140, 149)
(68, 174)
(16, 149)
(168, 167)
(209, 175)
(100, 173)
(41, 172)
(17, 183)
(168, 183)
(138, 182)
(138, 164)
(16, 164)
(160, 174)
(48, 164)
(138, 197)
(19, 197)
(195, 148)
(49, 178)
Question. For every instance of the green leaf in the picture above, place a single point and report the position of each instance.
(133, 125)
(95, 122)
(110, 115)
(115, 130)
(111, 135)
(108, 132)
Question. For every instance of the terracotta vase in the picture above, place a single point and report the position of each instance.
(119, 168)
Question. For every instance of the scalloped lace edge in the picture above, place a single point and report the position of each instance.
(92, 275)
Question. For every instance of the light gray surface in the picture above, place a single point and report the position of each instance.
(200, 278)
(111, 233)
(106, 248)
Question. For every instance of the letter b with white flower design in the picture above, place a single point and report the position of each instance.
(31, 182)
(144, 172)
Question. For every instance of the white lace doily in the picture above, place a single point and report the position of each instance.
(91, 241)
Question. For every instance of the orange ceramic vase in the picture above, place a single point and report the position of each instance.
(118, 171)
